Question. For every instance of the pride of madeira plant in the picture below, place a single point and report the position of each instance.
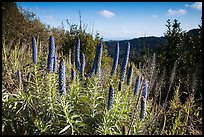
(51, 55)
(77, 55)
(110, 97)
(124, 63)
(34, 47)
(61, 103)
(137, 85)
(129, 75)
(62, 78)
(143, 100)
(116, 58)
(96, 67)
(82, 66)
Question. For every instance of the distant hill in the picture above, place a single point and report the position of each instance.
(193, 32)
(137, 44)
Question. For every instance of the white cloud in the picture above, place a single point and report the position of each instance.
(49, 17)
(197, 5)
(154, 16)
(176, 12)
(106, 13)
(187, 5)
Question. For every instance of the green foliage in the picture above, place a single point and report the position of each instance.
(19, 25)
(185, 49)
(88, 45)
(174, 37)
(140, 48)
(33, 108)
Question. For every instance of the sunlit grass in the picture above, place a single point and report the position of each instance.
(34, 107)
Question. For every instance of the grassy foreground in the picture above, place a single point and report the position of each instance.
(31, 105)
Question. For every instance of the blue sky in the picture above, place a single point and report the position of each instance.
(119, 20)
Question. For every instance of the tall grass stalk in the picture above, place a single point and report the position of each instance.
(135, 111)
(162, 125)
(4, 55)
(171, 79)
(19, 79)
(152, 72)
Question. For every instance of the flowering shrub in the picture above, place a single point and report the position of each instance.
(51, 55)
(90, 106)
(124, 63)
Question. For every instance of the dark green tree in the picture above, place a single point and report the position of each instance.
(185, 49)
(173, 50)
